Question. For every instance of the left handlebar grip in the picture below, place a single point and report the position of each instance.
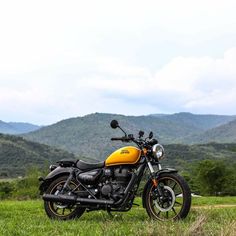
(115, 139)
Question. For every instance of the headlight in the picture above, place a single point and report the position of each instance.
(158, 151)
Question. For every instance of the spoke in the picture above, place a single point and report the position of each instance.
(178, 203)
(56, 209)
(173, 209)
(176, 194)
(174, 186)
(167, 215)
(158, 214)
(63, 211)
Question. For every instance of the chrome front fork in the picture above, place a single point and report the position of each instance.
(151, 167)
(159, 188)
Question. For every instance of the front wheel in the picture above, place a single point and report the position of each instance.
(175, 202)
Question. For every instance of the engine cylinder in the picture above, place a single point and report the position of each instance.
(122, 174)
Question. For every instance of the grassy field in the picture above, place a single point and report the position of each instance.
(28, 218)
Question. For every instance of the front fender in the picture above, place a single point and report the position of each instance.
(59, 171)
(158, 173)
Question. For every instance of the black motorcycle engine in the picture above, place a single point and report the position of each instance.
(122, 175)
(116, 180)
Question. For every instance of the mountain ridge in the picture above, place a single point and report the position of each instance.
(17, 127)
(90, 135)
(221, 134)
(18, 154)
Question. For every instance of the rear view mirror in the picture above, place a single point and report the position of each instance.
(114, 124)
(150, 135)
(141, 133)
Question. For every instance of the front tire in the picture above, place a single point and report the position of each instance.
(176, 202)
(62, 211)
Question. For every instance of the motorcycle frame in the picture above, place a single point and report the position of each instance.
(136, 178)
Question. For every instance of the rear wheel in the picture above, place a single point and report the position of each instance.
(62, 211)
(176, 202)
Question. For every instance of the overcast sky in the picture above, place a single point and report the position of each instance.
(61, 59)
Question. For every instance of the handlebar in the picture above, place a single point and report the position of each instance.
(116, 139)
(139, 142)
(123, 139)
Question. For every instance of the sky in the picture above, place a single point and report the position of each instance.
(62, 59)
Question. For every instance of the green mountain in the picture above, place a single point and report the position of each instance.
(199, 122)
(88, 138)
(90, 135)
(177, 154)
(18, 154)
(17, 127)
(222, 134)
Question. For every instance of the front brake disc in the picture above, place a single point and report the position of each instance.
(169, 205)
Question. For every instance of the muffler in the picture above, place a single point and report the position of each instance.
(74, 199)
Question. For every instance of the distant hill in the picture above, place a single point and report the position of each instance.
(17, 127)
(178, 154)
(90, 135)
(198, 122)
(222, 134)
(17, 154)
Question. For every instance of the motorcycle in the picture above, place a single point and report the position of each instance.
(74, 186)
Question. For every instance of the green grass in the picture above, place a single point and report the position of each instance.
(28, 218)
(213, 200)
(8, 179)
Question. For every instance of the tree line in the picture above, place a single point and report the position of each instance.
(206, 178)
(211, 177)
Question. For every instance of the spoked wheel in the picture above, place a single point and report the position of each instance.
(174, 204)
(62, 211)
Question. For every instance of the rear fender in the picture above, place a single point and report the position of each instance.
(158, 173)
(59, 171)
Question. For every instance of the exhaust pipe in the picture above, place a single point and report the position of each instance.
(74, 199)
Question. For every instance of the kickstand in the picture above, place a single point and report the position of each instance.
(109, 213)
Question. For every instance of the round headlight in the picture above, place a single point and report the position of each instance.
(158, 151)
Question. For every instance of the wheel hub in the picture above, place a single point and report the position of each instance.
(167, 202)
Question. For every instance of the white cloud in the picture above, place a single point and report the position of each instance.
(67, 58)
(202, 84)
(35, 34)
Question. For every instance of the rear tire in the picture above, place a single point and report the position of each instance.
(177, 198)
(62, 211)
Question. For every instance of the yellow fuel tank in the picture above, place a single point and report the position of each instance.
(124, 156)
